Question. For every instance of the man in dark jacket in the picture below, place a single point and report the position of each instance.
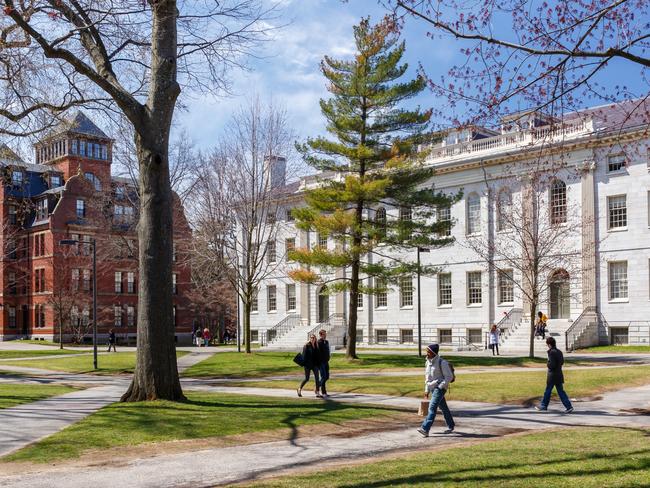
(324, 353)
(554, 378)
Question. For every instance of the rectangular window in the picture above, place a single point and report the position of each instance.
(39, 316)
(381, 336)
(270, 252)
(618, 280)
(289, 245)
(74, 146)
(104, 152)
(175, 284)
(130, 316)
(474, 290)
(41, 209)
(444, 336)
(405, 217)
(11, 283)
(117, 316)
(75, 279)
(12, 251)
(254, 300)
(615, 163)
(619, 336)
(173, 252)
(443, 216)
(444, 289)
(82, 148)
(12, 317)
(97, 151)
(406, 291)
(381, 297)
(359, 300)
(406, 336)
(55, 181)
(13, 217)
(130, 282)
(86, 280)
(617, 212)
(322, 241)
(39, 280)
(17, 178)
(81, 208)
(290, 215)
(291, 297)
(474, 336)
(118, 282)
(359, 336)
(506, 286)
(473, 214)
(271, 298)
(255, 335)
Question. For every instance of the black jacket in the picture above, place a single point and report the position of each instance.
(554, 363)
(111, 338)
(324, 350)
(311, 356)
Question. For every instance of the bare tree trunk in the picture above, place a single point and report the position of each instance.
(247, 326)
(533, 308)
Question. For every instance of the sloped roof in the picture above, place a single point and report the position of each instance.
(7, 155)
(80, 124)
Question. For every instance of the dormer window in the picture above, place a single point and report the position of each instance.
(55, 181)
(17, 178)
(41, 209)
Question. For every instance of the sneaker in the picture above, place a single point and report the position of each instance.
(299, 392)
(569, 410)
(541, 409)
(449, 430)
(423, 432)
(318, 395)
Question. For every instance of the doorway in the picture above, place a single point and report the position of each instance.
(323, 305)
(560, 305)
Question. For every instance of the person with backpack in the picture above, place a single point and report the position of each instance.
(438, 374)
(554, 378)
(311, 363)
(199, 337)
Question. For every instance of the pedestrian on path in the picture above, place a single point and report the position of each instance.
(540, 326)
(111, 340)
(554, 378)
(206, 337)
(324, 355)
(495, 333)
(437, 377)
(199, 337)
(311, 360)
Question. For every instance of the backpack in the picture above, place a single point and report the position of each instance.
(453, 371)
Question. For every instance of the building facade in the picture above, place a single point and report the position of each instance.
(68, 194)
(598, 191)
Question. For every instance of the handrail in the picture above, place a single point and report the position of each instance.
(327, 324)
(281, 328)
(513, 318)
(574, 327)
(470, 345)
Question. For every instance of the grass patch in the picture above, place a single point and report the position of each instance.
(203, 415)
(584, 457)
(10, 354)
(114, 363)
(233, 364)
(617, 349)
(15, 394)
(505, 387)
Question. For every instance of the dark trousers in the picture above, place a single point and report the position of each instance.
(111, 344)
(324, 376)
(560, 392)
(316, 376)
(495, 349)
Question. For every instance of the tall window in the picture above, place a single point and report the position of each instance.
(381, 297)
(41, 209)
(74, 146)
(271, 298)
(291, 297)
(615, 162)
(618, 280)
(289, 245)
(617, 212)
(81, 208)
(444, 289)
(504, 209)
(118, 282)
(130, 282)
(39, 280)
(406, 291)
(130, 316)
(270, 252)
(474, 289)
(473, 214)
(443, 216)
(558, 202)
(17, 178)
(39, 316)
(117, 316)
(12, 317)
(359, 300)
(75, 279)
(322, 241)
(86, 280)
(405, 215)
(380, 220)
(506, 286)
(12, 215)
(175, 284)
(254, 300)
(11, 283)
(82, 148)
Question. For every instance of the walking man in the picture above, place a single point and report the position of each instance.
(324, 353)
(554, 378)
(111, 340)
(437, 376)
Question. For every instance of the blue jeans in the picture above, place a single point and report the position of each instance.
(438, 400)
(560, 392)
(324, 376)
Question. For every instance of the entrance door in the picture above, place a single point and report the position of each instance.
(25, 320)
(323, 305)
(560, 299)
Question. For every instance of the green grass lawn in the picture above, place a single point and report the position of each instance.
(576, 457)
(28, 354)
(203, 415)
(617, 349)
(15, 394)
(233, 364)
(114, 363)
(505, 387)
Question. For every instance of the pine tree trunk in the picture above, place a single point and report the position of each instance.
(351, 347)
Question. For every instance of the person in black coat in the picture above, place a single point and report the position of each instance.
(111, 340)
(324, 351)
(311, 358)
(554, 378)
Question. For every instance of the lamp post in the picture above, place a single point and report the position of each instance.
(419, 250)
(74, 242)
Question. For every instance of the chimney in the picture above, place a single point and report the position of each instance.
(275, 168)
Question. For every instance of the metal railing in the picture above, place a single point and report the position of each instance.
(288, 323)
(509, 323)
(588, 317)
(334, 320)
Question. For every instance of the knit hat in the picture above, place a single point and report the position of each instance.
(434, 348)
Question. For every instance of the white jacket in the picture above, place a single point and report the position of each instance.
(494, 336)
(437, 374)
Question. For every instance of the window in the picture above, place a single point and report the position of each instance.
(506, 286)
(405, 217)
(82, 148)
(443, 217)
(474, 291)
(270, 252)
(118, 282)
(381, 336)
(444, 336)
(255, 335)
(174, 315)
(380, 221)
(17, 178)
(75, 279)
(55, 181)
(39, 280)
(130, 282)
(117, 316)
(85, 245)
(359, 336)
(271, 298)
(122, 214)
(39, 316)
(291, 297)
(618, 280)
(81, 208)
(13, 217)
(473, 214)
(120, 192)
(615, 162)
(617, 212)
(74, 146)
(11, 283)
(39, 244)
(130, 316)
(504, 209)
(289, 245)
(359, 300)
(254, 302)
(474, 336)
(85, 317)
(406, 291)
(94, 180)
(12, 250)
(444, 289)
(41, 209)
(290, 215)
(406, 336)
(104, 152)
(558, 202)
(12, 317)
(86, 280)
(98, 151)
(381, 295)
(322, 241)
(619, 336)
(175, 284)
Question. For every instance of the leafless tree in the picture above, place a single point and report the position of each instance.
(238, 203)
(128, 58)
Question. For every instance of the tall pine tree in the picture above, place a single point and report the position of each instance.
(375, 193)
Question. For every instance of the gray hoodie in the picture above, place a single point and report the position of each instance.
(437, 374)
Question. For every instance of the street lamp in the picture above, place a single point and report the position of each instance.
(74, 242)
(419, 250)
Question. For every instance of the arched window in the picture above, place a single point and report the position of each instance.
(504, 209)
(473, 214)
(94, 180)
(558, 202)
(380, 221)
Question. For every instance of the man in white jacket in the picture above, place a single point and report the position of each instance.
(437, 376)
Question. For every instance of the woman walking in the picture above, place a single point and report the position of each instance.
(311, 358)
(494, 339)
(206, 337)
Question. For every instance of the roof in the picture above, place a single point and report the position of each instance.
(80, 124)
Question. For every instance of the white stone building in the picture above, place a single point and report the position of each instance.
(601, 184)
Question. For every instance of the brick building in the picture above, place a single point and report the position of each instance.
(69, 193)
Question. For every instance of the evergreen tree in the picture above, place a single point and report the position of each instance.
(375, 192)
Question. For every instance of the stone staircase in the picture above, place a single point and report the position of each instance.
(296, 336)
(519, 339)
